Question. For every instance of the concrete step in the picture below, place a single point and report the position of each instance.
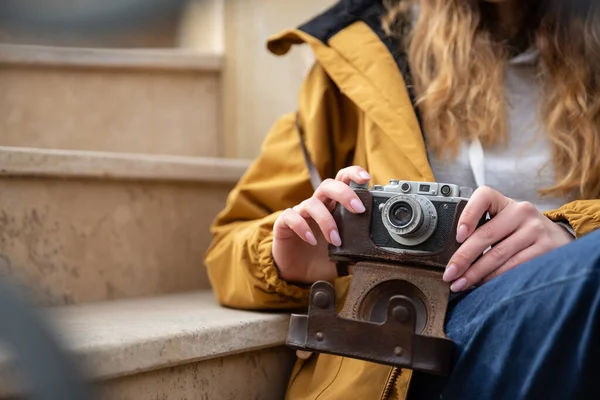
(155, 101)
(182, 346)
(130, 23)
(79, 226)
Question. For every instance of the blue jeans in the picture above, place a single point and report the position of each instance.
(532, 333)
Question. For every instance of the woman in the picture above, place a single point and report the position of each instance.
(500, 93)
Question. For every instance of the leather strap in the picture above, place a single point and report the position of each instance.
(315, 177)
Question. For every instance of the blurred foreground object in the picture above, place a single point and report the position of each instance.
(44, 369)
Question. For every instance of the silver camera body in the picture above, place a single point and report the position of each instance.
(410, 216)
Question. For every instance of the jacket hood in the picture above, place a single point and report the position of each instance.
(369, 68)
(340, 16)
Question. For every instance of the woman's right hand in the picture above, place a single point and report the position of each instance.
(302, 233)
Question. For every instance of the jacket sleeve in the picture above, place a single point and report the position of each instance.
(582, 215)
(239, 261)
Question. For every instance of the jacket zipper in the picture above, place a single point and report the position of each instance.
(394, 374)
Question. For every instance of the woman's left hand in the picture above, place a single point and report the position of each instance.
(517, 233)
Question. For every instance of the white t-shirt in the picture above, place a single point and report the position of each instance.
(521, 167)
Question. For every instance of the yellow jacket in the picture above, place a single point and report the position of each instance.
(355, 94)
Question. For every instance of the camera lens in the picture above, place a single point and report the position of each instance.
(401, 215)
(409, 219)
(446, 190)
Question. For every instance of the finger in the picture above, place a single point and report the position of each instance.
(315, 209)
(495, 230)
(354, 173)
(484, 199)
(494, 259)
(520, 258)
(291, 223)
(341, 193)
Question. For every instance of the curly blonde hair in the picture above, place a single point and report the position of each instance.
(457, 62)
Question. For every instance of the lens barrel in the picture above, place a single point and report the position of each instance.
(409, 219)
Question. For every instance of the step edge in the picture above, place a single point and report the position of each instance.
(90, 356)
(100, 358)
(24, 162)
(174, 59)
(106, 362)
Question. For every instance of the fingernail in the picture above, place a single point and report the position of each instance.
(450, 273)
(364, 175)
(310, 238)
(461, 234)
(459, 285)
(357, 206)
(334, 237)
(303, 355)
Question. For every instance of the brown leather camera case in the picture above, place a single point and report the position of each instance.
(396, 306)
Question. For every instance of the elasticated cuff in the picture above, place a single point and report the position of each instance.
(582, 215)
(271, 274)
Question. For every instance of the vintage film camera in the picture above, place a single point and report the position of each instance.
(396, 304)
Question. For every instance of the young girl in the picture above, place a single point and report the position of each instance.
(499, 95)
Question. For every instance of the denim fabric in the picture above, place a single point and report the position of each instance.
(532, 333)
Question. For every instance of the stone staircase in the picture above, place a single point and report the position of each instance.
(178, 346)
(148, 101)
(111, 173)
